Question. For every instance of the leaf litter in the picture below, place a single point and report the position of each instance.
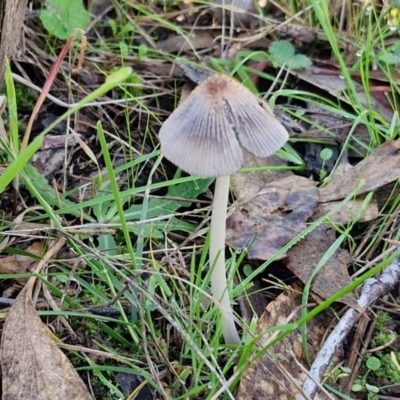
(381, 167)
(33, 367)
(20, 263)
(281, 371)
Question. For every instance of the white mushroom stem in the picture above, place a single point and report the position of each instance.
(219, 285)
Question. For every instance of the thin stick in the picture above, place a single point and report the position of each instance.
(219, 284)
(373, 289)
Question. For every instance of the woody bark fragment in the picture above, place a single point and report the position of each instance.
(11, 19)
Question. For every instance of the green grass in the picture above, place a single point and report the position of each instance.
(125, 239)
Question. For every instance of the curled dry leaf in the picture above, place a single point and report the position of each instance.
(32, 365)
(297, 32)
(324, 79)
(281, 371)
(381, 167)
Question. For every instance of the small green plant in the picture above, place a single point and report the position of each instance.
(326, 154)
(388, 371)
(381, 334)
(62, 17)
(282, 52)
(338, 372)
(181, 195)
(373, 364)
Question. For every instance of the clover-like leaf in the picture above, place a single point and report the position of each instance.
(300, 61)
(281, 51)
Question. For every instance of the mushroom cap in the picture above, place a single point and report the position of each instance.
(204, 135)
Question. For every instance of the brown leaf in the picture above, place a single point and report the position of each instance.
(378, 169)
(348, 211)
(278, 374)
(245, 186)
(19, 264)
(198, 40)
(333, 276)
(268, 221)
(32, 365)
(330, 81)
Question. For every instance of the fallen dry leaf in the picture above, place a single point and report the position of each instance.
(378, 169)
(32, 365)
(274, 208)
(331, 81)
(305, 256)
(348, 211)
(247, 185)
(273, 217)
(198, 40)
(19, 264)
(281, 371)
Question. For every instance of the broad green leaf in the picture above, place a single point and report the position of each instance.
(373, 363)
(300, 61)
(371, 388)
(61, 17)
(326, 154)
(389, 58)
(281, 51)
(107, 244)
(356, 388)
(175, 224)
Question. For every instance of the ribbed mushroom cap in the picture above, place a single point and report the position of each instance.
(204, 135)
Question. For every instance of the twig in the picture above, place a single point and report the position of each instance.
(373, 289)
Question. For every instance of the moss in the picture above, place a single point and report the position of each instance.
(388, 370)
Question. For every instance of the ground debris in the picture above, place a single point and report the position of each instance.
(281, 371)
(381, 167)
(31, 356)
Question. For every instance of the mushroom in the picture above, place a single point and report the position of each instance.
(204, 136)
